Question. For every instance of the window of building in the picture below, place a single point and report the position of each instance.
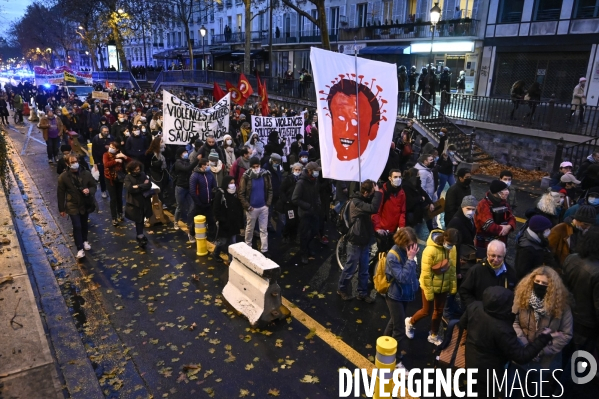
(334, 22)
(315, 30)
(387, 16)
(547, 10)
(362, 14)
(239, 22)
(510, 11)
(586, 9)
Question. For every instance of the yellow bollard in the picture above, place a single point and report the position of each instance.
(386, 348)
(89, 151)
(200, 227)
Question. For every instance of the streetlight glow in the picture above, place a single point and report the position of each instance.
(435, 14)
(203, 31)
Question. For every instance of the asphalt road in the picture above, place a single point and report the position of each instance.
(135, 311)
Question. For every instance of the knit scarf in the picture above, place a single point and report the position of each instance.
(537, 306)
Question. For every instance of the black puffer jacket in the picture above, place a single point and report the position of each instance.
(360, 210)
(531, 254)
(482, 276)
(415, 203)
(581, 276)
(306, 195)
(183, 169)
(492, 340)
(453, 199)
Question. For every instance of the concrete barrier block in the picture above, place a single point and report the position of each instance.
(545, 182)
(252, 288)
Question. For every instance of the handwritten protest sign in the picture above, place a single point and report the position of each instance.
(183, 122)
(288, 128)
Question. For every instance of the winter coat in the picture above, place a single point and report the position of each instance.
(427, 180)
(572, 211)
(530, 254)
(257, 149)
(453, 199)
(205, 151)
(286, 194)
(553, 218)
(466, 233)
(430, 282)
(182, 170)
(44, 126)
(117, 130)
(582, 170)
(581, 276)
(157, 169)
(361, 209)
(229, 157)
(245, 188)
(562, 241)
(100, 145)
(70, 198)
(112, 167)
(401, 273)
(486, 228)
(240, 166)
(276, 177)
(392, 212)
(578, 96)
(136, 147)
(482, 276)
(445, 166)
(137, 206)
(306, 195)
(528, 329)
(228, 213)
(201, 187)
(491, 340)
(416, 201)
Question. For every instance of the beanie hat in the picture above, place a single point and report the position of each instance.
(593, 190)
(303, 153)
(299, 136)
(469, 200)
(254, 161)
(213, 155)
(65, 147)
(275, 157)
(539, 223)
(497, 186)
(180, 151)
(586, 214)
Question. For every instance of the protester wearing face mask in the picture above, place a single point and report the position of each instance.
(296, 147)
(456, 193)
(136, 145)
(565, 237)
(493, 219)
(446, 169)
(532, 247)
(201, 187)
(286, 207)
(491, 271)
(182, 170)
(229, 151)
(436, 282)
(549, 206)
(275, 168)
(157, 166)
(120, 128)
(76, 198)
(138, 205)
(306, 197)
(229, 215)
(506, 176)
(110, 119)
(541, 301)
(391, 214)
(114, 164)
(100, 145)
(255, 194)
(463, 222)
(303, 158)
(216, 167)
(591, 198)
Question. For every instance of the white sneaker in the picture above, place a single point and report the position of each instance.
(81, 254)
(191, 239)
(176, 226)
(409, 328)
(434, 339)
(86, 246)
(104, 194)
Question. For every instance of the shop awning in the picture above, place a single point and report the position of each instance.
(253, 53)
(385, 50)
(221, 53)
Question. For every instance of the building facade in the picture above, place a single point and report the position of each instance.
(553, 42)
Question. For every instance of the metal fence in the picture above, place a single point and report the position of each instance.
(451, 28)
(576, 153)
(115, 76)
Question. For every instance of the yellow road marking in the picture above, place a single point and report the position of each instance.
(520, 220)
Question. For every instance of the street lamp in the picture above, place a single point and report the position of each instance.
(203, 33)
(435, 16)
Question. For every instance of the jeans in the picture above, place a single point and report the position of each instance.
(205, 210)
(438, 304)
(80, 227)
(115, 190)
(102, 180)
(444, 179)
(260, 215)
(396, 326)
(357, 261)
(52, 147)
(223, 243)
(184, 203)
(308, 228)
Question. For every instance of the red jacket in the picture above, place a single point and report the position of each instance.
(486, 228)
(111, 166)
(392, 211)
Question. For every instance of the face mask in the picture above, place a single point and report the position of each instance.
(107, 113)
(143, 118)
(296, 173)
(396, 182)
(546, 233)
(185, 156)
(231, 188)
(136, 132)
(469, 214)
(467, 181)
(539, 290)
(112, 150)
(304, 160)
(301, 141)
(143, 129)
(452, 153)
(315, 173)
(229, 142)
(208, 168)
(212, 163)
(509, 183)
(447, 247)
(75, 166)
(581, 229)
(162, 148)
(127, 134)
(256, 171)
(593, 201)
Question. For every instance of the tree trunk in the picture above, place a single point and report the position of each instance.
(190, 47)
(248, 33)
(324, 29)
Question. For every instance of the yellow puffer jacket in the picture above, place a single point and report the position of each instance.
(430, 282)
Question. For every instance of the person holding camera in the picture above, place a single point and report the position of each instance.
(76, 198)
(493, 219)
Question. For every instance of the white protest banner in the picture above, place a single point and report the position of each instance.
(184, 122)
(288, 128)
(341, 112)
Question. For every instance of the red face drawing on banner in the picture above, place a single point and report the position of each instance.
(342, 110)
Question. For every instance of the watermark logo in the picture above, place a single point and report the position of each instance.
(582, 363)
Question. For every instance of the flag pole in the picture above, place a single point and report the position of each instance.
(357, 108)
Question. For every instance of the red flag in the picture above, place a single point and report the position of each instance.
(244, 86)
(263, 97)
(217, 93)
(236, 95)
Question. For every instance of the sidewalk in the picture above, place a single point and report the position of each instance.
(27, 368)
(532, 188)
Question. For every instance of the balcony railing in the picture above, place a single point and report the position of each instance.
(450, 28)
(239, 37)
(309, 36)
